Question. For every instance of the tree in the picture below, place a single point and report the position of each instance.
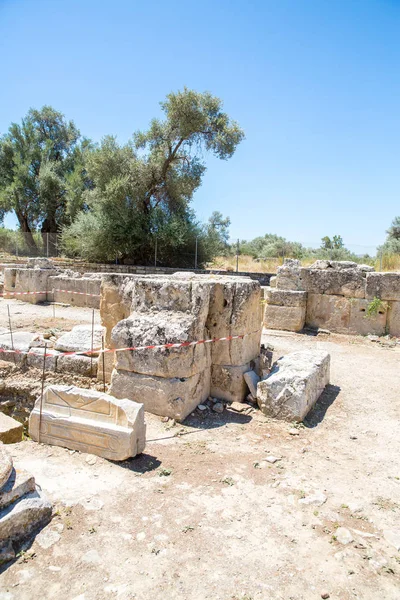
(216, 233)
(142, 190)
(42, 173)
(392, 243)
(336, 243)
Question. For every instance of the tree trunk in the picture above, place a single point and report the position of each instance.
(26, 230)
(49, 236)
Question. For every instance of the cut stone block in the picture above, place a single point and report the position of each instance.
(89, 421)
(176, 294)
(115, 302)
(342, 264)
(20, 519)
(361, 324)
(168, 397)
(393, 319)
(252, 379)
(20, 339)
(235, 310)
(228, 382)
(6, 466)
(40, 262)
(286, 298)
(18, 485)
(87, 291)
(272, 281)
(35, 359)
(77, 364)
(345, 282)
(294, 385)
(11, 431)
(145, 329)
(28, 280)
(288, 275)
(80, 339)
(328, 312)
(288, 318)
(385, 286)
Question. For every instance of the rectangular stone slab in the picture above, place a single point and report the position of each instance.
(385, 286)
(10, 430)
(393, 319)
(348, 282)
(294, 385)
(287, 318)
(89, 421)
(169, 397)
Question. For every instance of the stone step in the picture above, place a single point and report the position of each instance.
(19, 484)
(11, 431)
(6, 465)
(21, 518)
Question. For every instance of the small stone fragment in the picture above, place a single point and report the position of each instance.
(343, 536)
(10, 430)
(202, 407)
(294, 431)
(218, 407)
(237, 406)
(325, 595)
(272, 459)
(316, 499)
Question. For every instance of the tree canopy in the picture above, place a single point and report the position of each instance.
(141, 191)
(42, 172)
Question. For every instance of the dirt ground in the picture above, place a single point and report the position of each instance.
(202, 515)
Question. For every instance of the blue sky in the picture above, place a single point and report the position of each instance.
(314, 83)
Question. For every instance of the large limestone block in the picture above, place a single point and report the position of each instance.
(35, 358)
(158, 328)
(89, 421)
(285, 297)
(294, 385)
(228, 382)
(177, 294)
(77, 364)
(115, 302)
(34, 281)
(6, 466)
(79, 339)
(235, 310)
(288, 275)
(18, 485)
(345, 282)
(393, 319)
(20, 519)
(362, 324)
(40, 262)
(169, 397)
(328, 312)
(10, 430)
(76, 291)
(385, 286)
(287, 318)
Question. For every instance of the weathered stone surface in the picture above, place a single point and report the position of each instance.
(366, 268)
(251, 378)
(385, 286)
(87, 290)
(288, 318)
(286, 298)
(361, 324)
(345, 282)
(393, 319)
(176, 293)
(35, 358)
(89, 421)
(294, 385)
(40, 262)
(115, 303)
(328, 312)
(288, 275)
(272, 281)
(21, 340)
(342, 264)
(170, 397)
(18, 485)
(320, 264)
(80, 339)
(28, 280)
(228, 383)
(235, 310)
(20, 519)
(10, 430)
(77, 364)
(143, 329)
(6, 466)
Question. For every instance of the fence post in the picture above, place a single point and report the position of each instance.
(47, 244)
(237, 256)
(195, 256)
(155, 253)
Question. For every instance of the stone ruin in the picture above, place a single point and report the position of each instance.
(158, 310)
(23, 508)
(333, 295)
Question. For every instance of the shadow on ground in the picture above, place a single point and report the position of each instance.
(317, 414)
(142, 463)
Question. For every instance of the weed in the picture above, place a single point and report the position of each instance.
(375, 307)
(228, 481)
(164, 472)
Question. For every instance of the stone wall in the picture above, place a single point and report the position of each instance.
(333, 295)
(158, 310)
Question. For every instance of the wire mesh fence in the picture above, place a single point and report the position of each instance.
(17, 245)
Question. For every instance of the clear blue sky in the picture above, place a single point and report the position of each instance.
(314, 83)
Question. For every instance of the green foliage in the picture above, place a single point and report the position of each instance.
(140, 192)
(336, 243)
(376, 306)
(392, 243)
(42, 174)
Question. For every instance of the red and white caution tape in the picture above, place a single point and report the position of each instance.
(138, 348)
(77, 293)
(49, 292)
(22, 293)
